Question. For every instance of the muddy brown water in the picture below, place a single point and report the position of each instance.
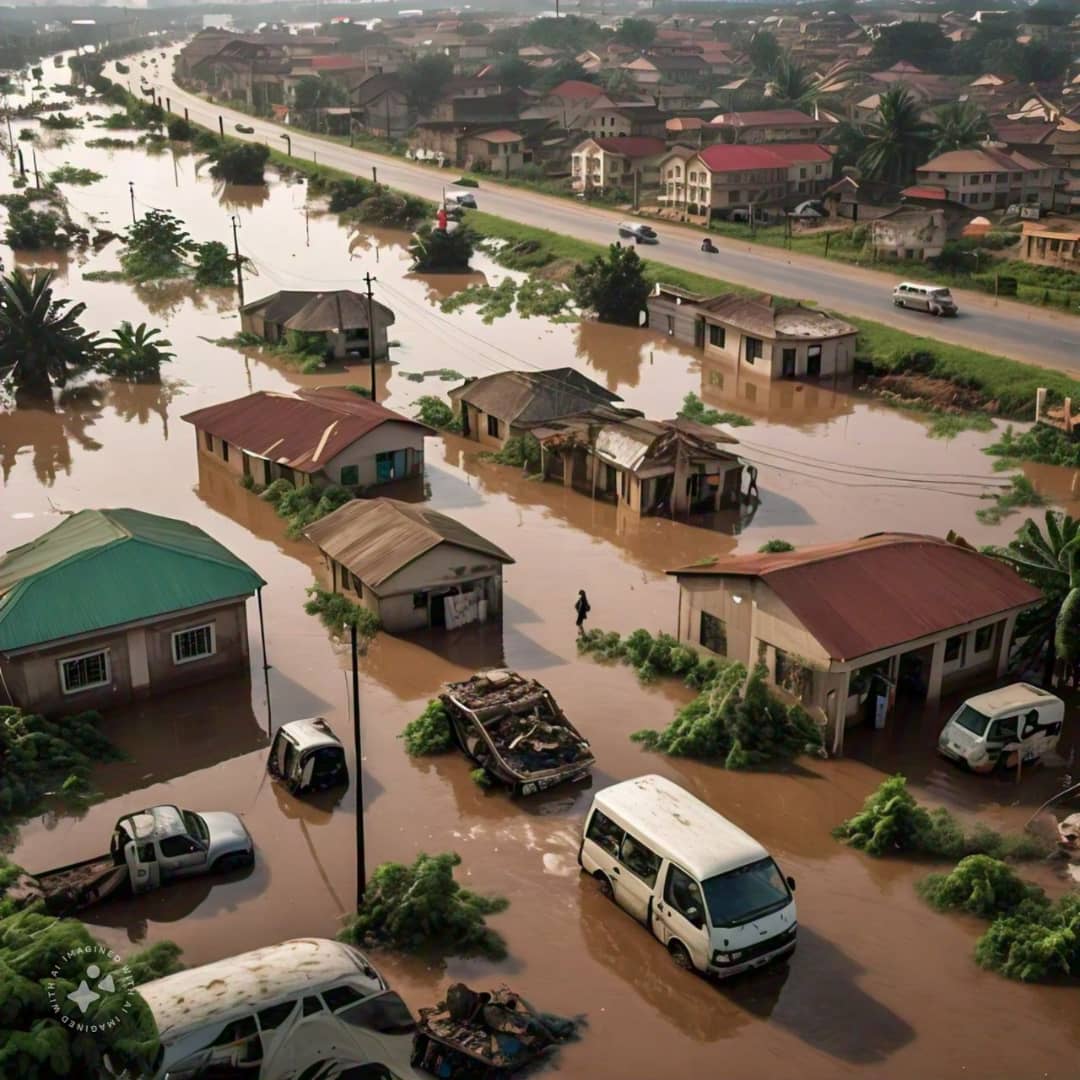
(880, 986)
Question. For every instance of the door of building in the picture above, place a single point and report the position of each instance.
(788, 363)
(813, 361)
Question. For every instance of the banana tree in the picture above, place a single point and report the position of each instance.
(135, 353)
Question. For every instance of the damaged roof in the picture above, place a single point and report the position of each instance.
(319, 311)
(375, 538)
(766, 316)
(302, 431)
(533, 397)
(859, 596)
(636, 443)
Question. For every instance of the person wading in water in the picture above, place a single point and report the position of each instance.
(582, 608)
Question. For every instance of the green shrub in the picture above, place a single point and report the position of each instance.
(338, 613)
(979, 885)
(1036, 942)
(180, 130)
(277, 490)
(60, 121)
(239, 163)
(1020, 492)
(1043, 443)
(775, 547)
(693, 408)
(520, 451)
(436, 413)
(430, 732)
(481, 778)
(421, 908)
(391, 210)
(345, 194)
(214, 264)
(436, 250)
(69, 174)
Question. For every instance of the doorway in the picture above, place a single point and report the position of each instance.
(813, 361)
(787, 362)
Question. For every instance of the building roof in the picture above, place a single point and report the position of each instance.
(576, 88)
(375, 538)
(335, 310)
(770, 318)
(764, 118)
(102, 568)
(631, 146)
(336, 63)
(859, 596)
(500, 135)
(533, 397)
(304, 431)
(375, 86)
(798, 153)
(982, 160)
(636, 443)
(925, 191)
(722, 157)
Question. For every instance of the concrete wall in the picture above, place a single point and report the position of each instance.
(393, 435)
(667, 315)
(837, 354)
(477, 425)
(140, 662)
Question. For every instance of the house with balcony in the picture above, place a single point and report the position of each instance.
(769, 126)
(599, 165)
(607, 119)
(990, 178)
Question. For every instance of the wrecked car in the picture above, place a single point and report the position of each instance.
(484, 1036)
(513, 728)
(306, 756)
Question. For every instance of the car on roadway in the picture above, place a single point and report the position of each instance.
(935, 299)
(245, 129)
(639, 232)
(462, 199)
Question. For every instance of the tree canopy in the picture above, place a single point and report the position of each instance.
(898, 138)
(960, 125)
(612, 285)
(240, 163)
(763, 51)
(570, 32)
(425, 78)
(637, 33)
(441, 251)
(919, 43)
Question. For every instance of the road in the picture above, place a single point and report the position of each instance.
(1047, 338)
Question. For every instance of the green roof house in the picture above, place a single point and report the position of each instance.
(117, 604)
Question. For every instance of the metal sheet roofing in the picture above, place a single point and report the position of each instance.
(304, 431)
(102, 568)
(533, 397)
(860, 596)
(375, 538)
(320, 311)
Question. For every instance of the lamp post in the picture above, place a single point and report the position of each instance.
(288, 143)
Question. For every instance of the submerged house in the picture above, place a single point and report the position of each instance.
(498, 407)
(842, 626)
(344, 317)
(113, 605)
(649, 466)
(773, 338)
(412, 566)
(323, 435)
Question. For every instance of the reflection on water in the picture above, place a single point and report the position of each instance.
(241, 196)
(442, 286)
(47, 434)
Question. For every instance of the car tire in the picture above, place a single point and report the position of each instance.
(680, 955)
(237, 860)
(603, 883)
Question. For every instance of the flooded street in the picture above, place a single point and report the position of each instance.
(880, 984)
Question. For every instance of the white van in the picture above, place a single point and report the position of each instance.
(277, 1011)
(711, 893)
(933, 298)
(1017, 723)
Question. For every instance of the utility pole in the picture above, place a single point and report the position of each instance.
(239, 265)
(221, 125)
(131, 192)
(22, 163)
(369, 281)
(37, 175)
(361, 875)
(374, 174)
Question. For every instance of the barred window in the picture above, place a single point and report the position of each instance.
(193, 643)
(84, 672)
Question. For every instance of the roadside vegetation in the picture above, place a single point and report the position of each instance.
(439, 251)
(612, 284)
(1043, 443)
(430, 732)
(422, 909)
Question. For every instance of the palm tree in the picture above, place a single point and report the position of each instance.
(898, 138)
(41, 342)
(1049, 559)
(791, 84)
(135, 353)
(960, 125)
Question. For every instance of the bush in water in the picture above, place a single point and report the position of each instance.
(979, 885)
(430, 732)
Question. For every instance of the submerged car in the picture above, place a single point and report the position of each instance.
(307, 756)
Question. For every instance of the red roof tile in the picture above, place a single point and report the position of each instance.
(922, 192)
(723, 157)
(764, 118)
(576, 88)
(859, 596)
(632, 146)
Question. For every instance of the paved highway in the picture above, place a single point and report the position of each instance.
(1004, 327)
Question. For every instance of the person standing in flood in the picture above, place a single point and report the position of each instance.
(582, 608)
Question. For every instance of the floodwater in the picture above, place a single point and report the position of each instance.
(881, 986)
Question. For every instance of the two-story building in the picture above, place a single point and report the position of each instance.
(990, 178)
(599, 165)
(769, 126)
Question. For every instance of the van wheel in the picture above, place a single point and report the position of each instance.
(604, 885)
(236, 861)
(898, 303)
(680, 956)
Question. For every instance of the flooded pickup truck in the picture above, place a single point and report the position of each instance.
(514, 729)
(149, 848)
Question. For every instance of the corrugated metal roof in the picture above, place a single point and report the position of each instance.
(860, 596)
(533, 397)
(319, 311)
(375, 538)
(102, 568)
(304, 431)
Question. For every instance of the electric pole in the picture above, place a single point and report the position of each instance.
(361, 875)
(131, 192)
(369, 281)
(236, 253)
(37, 175)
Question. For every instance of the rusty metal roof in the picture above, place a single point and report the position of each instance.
(375, 538)
(303, 431)
(533, 397)
(319, 311)
(859, 596)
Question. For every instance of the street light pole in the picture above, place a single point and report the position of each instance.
(361, 873)
(288, 143)
(131, 192)
(239, 264)
(369, 281)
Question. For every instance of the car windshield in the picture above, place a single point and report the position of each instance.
(646, 231)
(972, 720)
(195, 826)
(750, 892)
(942, 294)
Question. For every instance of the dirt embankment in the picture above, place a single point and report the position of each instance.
(934, 393)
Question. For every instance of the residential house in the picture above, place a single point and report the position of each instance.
(114, 605)
(250, 71)
(409, 565)
(1065, 143)
(343, 316)
(627, 163)
(326, 435)
(494, 408)
(671, 467)
(501, 151)
(566, 104)
(926, 615)
(775, 339)
(607, 119)
(1052, 242)
(909, 233)
(655, 68)
(769, 126)
(990, 178)
(204, 44)
(381, 105)
(853, 199)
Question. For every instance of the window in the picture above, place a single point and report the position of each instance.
(312, 1005)
(1031, 724)
(385, 1013)
(224, 450)
(712, 633)
(717, 335)
(802, 174)
(350, 475)
(1004, 730)
(954, 649)
(419, 600)
(195, 643)
(984, 638)
(493, 426)
(670, 325)
(276, 1015)
(750, 892)
(753, 349)
(84, 672)
(337, 997)
(682, 892)
(173, 846)
(244, 1049)
(605, 833)
(639, 860)
(208, 441)
(973, 179)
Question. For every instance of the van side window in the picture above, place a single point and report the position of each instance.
(605, 833)
(1031, 724)
(312, 1005)
(276, 1015)
(1005, 729)
(639, 860)
(337, 997)
(385, 1013)
(244, 1047)
(682, 893)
